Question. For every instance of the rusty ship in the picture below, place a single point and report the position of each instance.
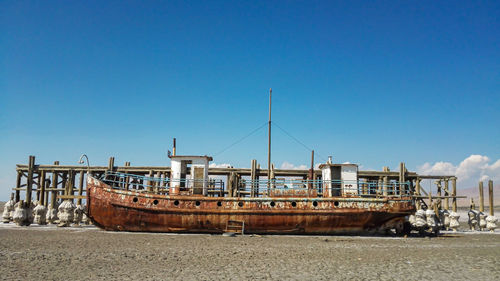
(191, 201)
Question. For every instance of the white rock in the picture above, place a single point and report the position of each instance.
(446, 220)
(491, 223)
(472, 221)
(20, 216)
(412, 219)
(40, 212)
(85, 219)
(78, 214)
(8, 211)
(420, 220)
(454, 224)
(66, 213)
(482, 221)
(52, 214)
(431, 218)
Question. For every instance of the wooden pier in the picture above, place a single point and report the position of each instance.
(49, 184)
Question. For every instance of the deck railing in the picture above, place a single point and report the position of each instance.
(258, 188)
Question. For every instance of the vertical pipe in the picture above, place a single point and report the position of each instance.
(454, 194)
(174, 148)
(481, 197)
(29, 186)
(80, 187)
(269, 142)
(492, 206)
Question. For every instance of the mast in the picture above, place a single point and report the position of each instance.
(269, 140)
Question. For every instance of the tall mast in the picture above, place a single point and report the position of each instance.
(269, 138)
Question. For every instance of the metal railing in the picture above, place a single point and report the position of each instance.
(258, 188)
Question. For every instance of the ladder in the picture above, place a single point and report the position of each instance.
(235, 227)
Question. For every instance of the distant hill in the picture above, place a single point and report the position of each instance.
(473, 192)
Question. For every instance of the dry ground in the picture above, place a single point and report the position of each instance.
(87, 253)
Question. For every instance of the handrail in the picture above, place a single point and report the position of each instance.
(264, 187)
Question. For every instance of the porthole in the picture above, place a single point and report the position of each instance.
(176, 202)
(336, 203)
(272, 204)
(219, 204)
(294, 204)
(197, 203)
(135, 199)
(315, 204)
(240, 204)
(155, 202)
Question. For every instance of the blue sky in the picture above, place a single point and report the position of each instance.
(369, 82)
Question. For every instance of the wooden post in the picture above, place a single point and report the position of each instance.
(71, 183)
(401, 177)
(150, 182)
(430, 198)
(41, 185)
(127, 179)
(253, 176)
(111, 164)
(386, 182)
(446, 193)
(310, 185)
(454, 194)
(481, 197)
(18, 186)
(55, 179)
(29, 186)
(157, 184)
(492, 206)
(438, 193)
(80, 187)
(417, 193)
(380, 186)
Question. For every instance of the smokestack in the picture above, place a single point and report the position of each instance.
(173, 150)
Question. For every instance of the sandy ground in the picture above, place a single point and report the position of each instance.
(87, 253)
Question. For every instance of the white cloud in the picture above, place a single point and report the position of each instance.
(289, 166)
(215, 165)
(469, 172)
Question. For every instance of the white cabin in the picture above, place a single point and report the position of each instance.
(339, 179)
(198, 168)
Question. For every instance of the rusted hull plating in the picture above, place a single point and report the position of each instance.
(113, 209)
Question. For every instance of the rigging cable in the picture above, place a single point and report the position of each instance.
(240, 140)
(294, 138)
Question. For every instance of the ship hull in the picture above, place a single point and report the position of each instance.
(121, 210)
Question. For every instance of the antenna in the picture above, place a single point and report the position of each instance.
(269, 139)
